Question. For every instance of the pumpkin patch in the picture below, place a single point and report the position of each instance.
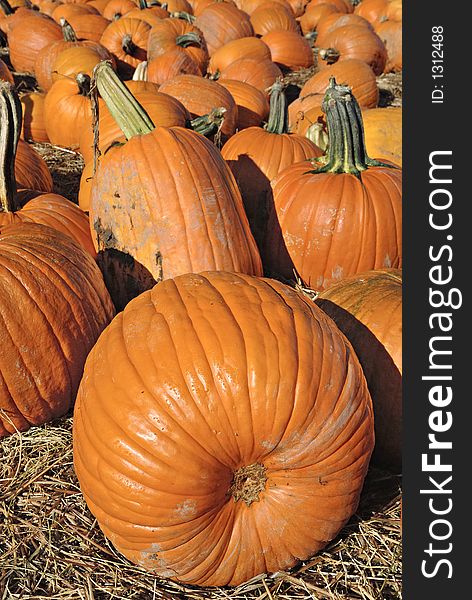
(200, 358)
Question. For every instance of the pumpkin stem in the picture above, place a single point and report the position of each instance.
(123, 106)
(140, 73)
(6, 7)
(317, 134)
(10, 119)
(183, 15)
(67, 32)
(210, 123)
(128, 45)
(248, 482)
(84, 83)
(329, 55)
(347, 152)
(278, 115)
(189, 39)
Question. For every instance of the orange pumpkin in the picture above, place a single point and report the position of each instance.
(256, 155)
(5, 73)
(273, 17)
(32, 205)
(54, 306)
(200, 96)
(263, 407)
(127, 40)
(88, 27)
(171, 64)
(354, 41)
(170, 34)
(390, 32)
(221, 23)
(247, 47)
(31, 170)
(352, 72)
(196, 218)
(312, 16)
(338, 215)
(28, 37)
(67, 110)
(289, 50)
(383, 133)
(261, 73)
(331, 22)
(367, 308)
(253, 106)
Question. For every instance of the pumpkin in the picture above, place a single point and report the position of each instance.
(337, 215)
(329, 23)
(252, 104)
(67, 110)
(89, 27)
(127, 40)
(152, 15)
(352, 72)
(222, 429)
(32, 205)
(289, 50)
(261, 73)
(200, 96)
(221, 23)
(33, 127)
(54, 306)
(179, 210)
(11, 17)
(367, 308)
(343, 6)
(383, 133)
(44, 63)
(170, 65)
(247, 47)
(311, 18)
(374, 11)
(171, 34)
(256, 155)
(28, 37)
(390, 32)
(304, 112)
(354, 41)
(77, 59)
(273, 17)
(249, 6)
(31, 170)
(115, 9)
(64, 11)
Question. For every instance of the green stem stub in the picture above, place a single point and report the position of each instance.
(278, 115)
(10, 128)
(123, 106)
(190, 38)
(346, 152)
(67, 32)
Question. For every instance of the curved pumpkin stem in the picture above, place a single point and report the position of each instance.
(189, 39)
(347, 152)
(278, 115)
(6, 7)
(130, 116)
(128, 45)
(210, 123)
(185, 16)
(10, 119)
(67, 32)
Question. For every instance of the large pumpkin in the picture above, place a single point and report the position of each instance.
(54, 305)
(338, 215)
(165, 201)
(368, 310)
(222, 429)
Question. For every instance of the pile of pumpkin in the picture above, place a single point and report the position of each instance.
(223, 421)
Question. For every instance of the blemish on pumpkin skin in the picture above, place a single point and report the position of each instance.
(188, 508)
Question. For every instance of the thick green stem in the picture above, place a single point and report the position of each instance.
(346, 152)
(210, 123)
(5, 6)
(123, 106)
(278, 118)
(67, 32)
(189, 39)
(10, 120)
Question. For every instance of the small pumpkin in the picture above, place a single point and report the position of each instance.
(289, 50)
(247, 47)
(261, 73)
(367, 308)
(252, 104)
(221, 23)
(127, 40)
(329, 23)
(337, 215)
(273, 388)
(273, 16)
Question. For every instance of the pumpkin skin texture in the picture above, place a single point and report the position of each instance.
(193, 360)
(261, 73)
(250, 47)
(390, 32)
(5, 73)
(31, 170)
(339, 216)
(221, 23)
(367, 308)
(289, 50)
(383, 133)
(352, 72)
(331, 22)
(54, 306)
(253, 106)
